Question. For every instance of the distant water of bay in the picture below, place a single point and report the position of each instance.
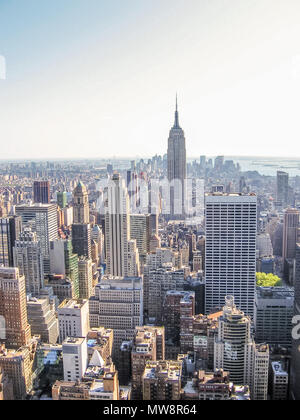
(268, 166)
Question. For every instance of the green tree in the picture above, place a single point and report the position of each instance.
(268, 280)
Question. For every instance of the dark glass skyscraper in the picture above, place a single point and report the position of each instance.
(81, 240)
(41, 192)
(282, 196)
(10, 229)
(290, 233)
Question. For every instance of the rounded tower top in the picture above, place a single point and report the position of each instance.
(80, 189)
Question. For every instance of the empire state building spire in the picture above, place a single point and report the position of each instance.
(176, 125)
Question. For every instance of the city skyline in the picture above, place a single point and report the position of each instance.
(149, 225)
(97, 76)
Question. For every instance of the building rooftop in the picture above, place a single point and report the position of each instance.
(275, 293)
(223, 194)
(99, 336)
(94, 372)
(35, 206)
(120, 283)
(70, 341)
(168, 369)
(8, 271)
(144, 339)
(97, 386)
(32, 301)
(73, 304)
(185, 296)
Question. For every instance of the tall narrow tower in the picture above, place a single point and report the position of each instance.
(282, 195)
(121, 252)
(13, 308)
(177, 171)
(236, 352)
(41, 192)
(290, 233)
(81, 204)
(28, 257)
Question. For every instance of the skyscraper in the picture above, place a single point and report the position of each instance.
(85, 275)
(62, 199)
(237, 353)
(81, 204)
(13, 308)
(43, 220)
(282, 194)
(148, 345)
(231, 230)
(140, 231)
(17, 364)
(75, 358)
(28, 258)
(290, 233)
(177, 305)
(203, 163)
(118, 305)
(81, 240)
(274, 310)
(133, 189)
(98, 237)
(41, 192)
(157, 283)
(73, 318)
(63, 261)
(122, 255)
(10, 228)
(42, 318)
(177, 169)
(6, 387)
(219, 163)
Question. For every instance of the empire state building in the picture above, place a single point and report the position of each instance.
(177, 169)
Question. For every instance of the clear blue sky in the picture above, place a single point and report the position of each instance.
(93, 78)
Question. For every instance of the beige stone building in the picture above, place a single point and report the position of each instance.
(81, 205)
(13, 308)
(18, 365)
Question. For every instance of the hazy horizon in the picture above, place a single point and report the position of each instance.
(138, 157)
